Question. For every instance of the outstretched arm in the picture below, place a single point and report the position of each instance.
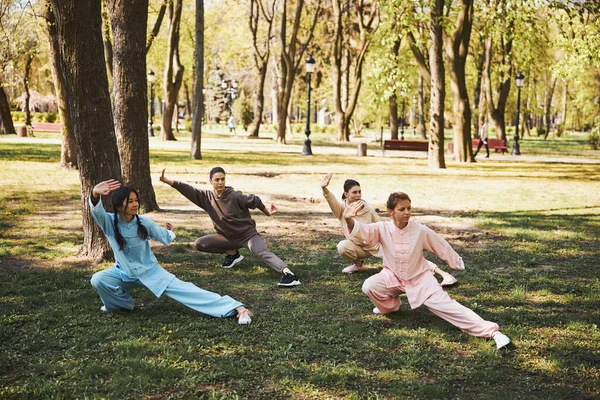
(164, 179)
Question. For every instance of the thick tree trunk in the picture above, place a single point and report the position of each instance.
(173, 71)
(128, 20)
(6, 123)
(82, 71)
(457, 47)
(438, 93)
(68, 152)
(198, 111)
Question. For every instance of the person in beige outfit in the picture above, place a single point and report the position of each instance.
(351, 248)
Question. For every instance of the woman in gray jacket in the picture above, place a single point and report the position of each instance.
(229, 211)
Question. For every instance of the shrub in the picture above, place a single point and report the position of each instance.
(188, 125)
(49, 117)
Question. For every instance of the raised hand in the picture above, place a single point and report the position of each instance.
(170, 227)
(352, 210)
(164, 179)
(105, 188)
(326, 180)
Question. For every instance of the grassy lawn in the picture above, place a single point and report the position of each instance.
(528, 232)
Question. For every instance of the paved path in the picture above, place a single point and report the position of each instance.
(238, 143)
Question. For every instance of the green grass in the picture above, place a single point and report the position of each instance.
(528, 231)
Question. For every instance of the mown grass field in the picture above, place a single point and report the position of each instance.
(527, 229)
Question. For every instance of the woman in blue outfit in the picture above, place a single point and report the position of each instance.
(128, 235)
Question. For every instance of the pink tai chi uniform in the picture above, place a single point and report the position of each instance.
(406, 270)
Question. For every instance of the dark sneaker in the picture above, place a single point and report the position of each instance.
(289, 280)
(231, 260)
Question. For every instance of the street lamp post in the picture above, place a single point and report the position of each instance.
(310, 68)
(151, 78)
(403, 95)
(520, 81)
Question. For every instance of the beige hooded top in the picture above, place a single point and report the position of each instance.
(367, 215)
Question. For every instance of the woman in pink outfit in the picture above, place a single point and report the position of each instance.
(406, 270)
(351, 248)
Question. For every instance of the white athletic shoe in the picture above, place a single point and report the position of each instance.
(353, 268)
(244, 317)
(103, 309)
(376, 311)
(501, 340)
(448, 280)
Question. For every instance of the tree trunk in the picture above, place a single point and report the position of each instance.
(28, 62)
(436, 105)
(394, 116)
(548, 107)
(68, 151)
(352, 38)
(157, 25)
(6, 123)
(108, 47)
(82, 72)
(457, 47)
(198, 112)
(128, 20)
(421, 107)
(292, 54)
(173, 71)
(258, 12)
(563, 111)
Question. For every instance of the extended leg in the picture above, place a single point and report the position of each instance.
(201, 300)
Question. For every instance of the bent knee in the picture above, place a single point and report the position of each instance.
(96, 280)
(344, 247)
(200, 245)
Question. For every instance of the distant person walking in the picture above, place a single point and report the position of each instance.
(483, 140)
(231, 124)
(229, 211)
(129, 237)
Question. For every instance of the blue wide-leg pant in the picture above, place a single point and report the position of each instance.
(114, 293)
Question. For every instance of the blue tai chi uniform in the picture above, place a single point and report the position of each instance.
(136, 266)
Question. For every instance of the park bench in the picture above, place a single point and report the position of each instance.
(45, 127)
(492, 144)
(405, 145)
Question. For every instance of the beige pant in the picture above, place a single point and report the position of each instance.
(352, 252)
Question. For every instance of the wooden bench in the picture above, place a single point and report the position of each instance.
(46, 127)
(405, 145)
(492, 144)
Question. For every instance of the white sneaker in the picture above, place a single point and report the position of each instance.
(103, 309)
(353, 268)
(501, 340)
(244, 317)
(376, 311)
(448, 280)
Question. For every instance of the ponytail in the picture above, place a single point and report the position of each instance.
(142, 231)
(118, 235)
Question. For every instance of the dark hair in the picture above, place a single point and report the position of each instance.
(215, 170)
(349, 184)
(395, 198)
(117, 198)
